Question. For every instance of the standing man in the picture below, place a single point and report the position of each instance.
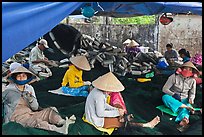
(37, 60)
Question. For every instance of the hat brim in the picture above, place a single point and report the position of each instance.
(46, 46)
(22, 69)
(108, 82)
(80, 62)
(190, 64)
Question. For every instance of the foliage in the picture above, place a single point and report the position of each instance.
(135, 20)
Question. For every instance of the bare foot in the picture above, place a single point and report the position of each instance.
(184, 122)
(152, 123)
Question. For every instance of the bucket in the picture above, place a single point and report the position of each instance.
(162, 65)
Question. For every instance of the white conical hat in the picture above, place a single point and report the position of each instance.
(108, 82)
(13, 66)
(80, 62)
(190, 64)
(133, 44)
(22, 69)
(127, 41)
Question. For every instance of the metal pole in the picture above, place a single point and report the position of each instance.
(157, 46)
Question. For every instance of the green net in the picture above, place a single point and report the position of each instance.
(141, 100)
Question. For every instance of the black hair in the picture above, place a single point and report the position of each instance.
(185, 52)
(169, 45)
(15, 74)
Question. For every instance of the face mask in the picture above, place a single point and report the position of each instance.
(21, 82)
(186, 73)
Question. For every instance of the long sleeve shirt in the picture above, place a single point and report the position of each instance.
(73, 77)
(11, 97)
(173, 54)
(97, 108)
(117, 98)
(36, 54)
(185, 87)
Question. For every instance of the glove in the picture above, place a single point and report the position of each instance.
(29, 97)
(87, 83)
(176, 96)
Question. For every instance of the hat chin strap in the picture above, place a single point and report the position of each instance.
(21, 82)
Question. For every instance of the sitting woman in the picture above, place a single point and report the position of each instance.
(72, 81)
(180, 89)
(21, 105)
(185, 55)
(102, 114)
(132, 49)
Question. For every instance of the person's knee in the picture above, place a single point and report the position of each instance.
(188, 104)
(55, 109)
(166, 98)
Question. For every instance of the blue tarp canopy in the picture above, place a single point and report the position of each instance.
(24, 22)
(128, 9)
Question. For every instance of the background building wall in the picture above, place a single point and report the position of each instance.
(117, 34)
(184, 32)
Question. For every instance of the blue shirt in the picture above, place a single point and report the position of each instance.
(172, 54)
(186, 59)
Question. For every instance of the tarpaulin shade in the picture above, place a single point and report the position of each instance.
(25, 22)
(126, 9)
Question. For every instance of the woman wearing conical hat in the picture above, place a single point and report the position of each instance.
(132, 49)
(125, 43)
(15, 65)
(72, 82)
(180, 90)
(21, 106)
(100, 113)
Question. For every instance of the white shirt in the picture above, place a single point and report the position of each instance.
(36, 54)
(96, 108)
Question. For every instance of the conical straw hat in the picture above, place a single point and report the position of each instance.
(13, 66)
(127, 41)
(108, 82)
(133, 44)
(80, 62)
(19, 70)
(190, 64)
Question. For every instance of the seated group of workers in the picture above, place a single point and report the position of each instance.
(21, 105)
